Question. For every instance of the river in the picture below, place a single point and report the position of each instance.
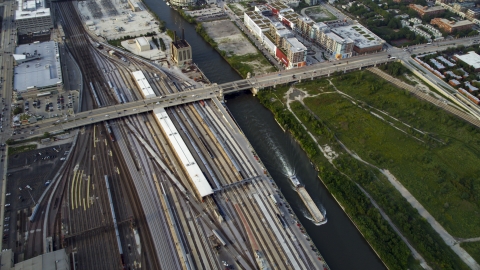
(342, 246)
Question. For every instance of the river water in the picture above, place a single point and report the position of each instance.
(342, 246)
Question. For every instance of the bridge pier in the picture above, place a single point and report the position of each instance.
(255, 91)
(221, 96)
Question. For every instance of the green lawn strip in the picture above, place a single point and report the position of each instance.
(376, 230)
(473, 248)
(444, 178)
(19, 149)
(339, 115)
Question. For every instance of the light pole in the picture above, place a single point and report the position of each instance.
(31, 195)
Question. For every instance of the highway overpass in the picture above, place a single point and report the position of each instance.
(324, 69)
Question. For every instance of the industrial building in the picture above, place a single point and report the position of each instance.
(33, 18)
(38, 68)
(193, 171)
(471, 58)
(142, 44)
(181, 51)
(364, 40)
(55, 260)
(451, 26)
(143, 85)
(425, 10)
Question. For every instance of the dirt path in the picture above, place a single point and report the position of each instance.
(449, 239)
(330, 155)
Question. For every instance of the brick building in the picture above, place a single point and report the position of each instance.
(429, 11)
(451, 26)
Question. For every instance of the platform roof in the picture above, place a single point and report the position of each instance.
(193, 170)
(42, 70)
(142, 82)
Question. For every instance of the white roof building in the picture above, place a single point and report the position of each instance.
(38, 67)
(194, 172)
(471, 58)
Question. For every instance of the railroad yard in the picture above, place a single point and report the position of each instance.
(176, 188)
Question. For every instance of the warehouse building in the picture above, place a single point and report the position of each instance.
(142, 44)
(451, 26)
(32, 18)
(38, 68)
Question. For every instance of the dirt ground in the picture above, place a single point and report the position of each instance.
(229, 38)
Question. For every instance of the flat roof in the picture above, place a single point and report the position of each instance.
(142, 41)
(142, 82)
(471, 58)
(455, 23)
(186, 158)
(43, 70)
(181, 43)
(361, 36)
(297, 46)
(31, 9)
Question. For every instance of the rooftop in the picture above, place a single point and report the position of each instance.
(471, 58)
(183, 153)
(142, 41)
(426, 8)
(31, 9)
(361, 36)
(38, 65)
(142, 82)
(297, 46)
(279, 6)
(55, 260)
(454, 23)
(180, 43)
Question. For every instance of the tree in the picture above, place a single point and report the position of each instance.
(17, 110)
(46, 135)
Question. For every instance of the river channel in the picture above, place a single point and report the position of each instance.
(342, 246)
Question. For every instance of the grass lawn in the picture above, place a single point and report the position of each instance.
(15, 150)
(473, 248)
(443, 177)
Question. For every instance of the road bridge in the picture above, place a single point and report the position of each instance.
(255, 84)
(101, 114)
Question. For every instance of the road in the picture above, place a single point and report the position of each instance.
(7, 47)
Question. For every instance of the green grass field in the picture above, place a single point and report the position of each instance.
(473, 248)
(24, 148)
(339, 179)
(442, 172)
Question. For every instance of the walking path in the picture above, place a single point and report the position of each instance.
(449, 239)
(330, 156)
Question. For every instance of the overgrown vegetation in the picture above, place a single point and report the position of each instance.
(393, 252)
(428, 164)
(19, 149)
(118, 42)
(162, 44)
(473, 248)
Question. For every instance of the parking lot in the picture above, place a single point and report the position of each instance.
(27, 177)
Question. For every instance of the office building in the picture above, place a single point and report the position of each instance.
(32, 18)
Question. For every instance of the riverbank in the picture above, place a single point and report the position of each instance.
(335, 176)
